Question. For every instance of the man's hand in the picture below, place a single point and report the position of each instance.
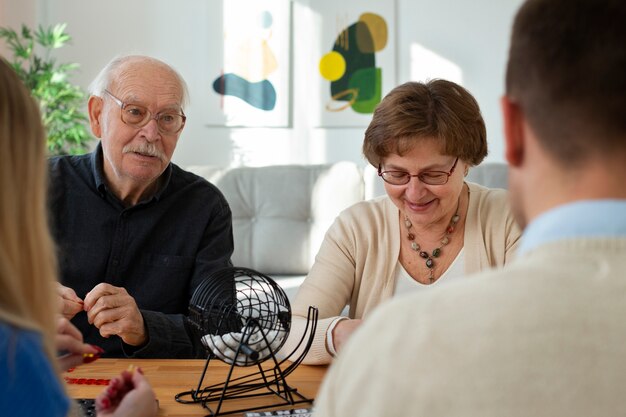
(69, 341)
(113, 311)
(70, 302)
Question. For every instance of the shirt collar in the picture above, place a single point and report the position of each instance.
(97, 167)
(98, 170)
(587, 218)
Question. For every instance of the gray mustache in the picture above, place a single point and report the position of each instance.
(145, 149)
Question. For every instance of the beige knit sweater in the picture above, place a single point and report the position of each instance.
(545, 336)
(356, 261)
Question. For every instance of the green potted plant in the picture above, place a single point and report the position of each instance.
(60, 101)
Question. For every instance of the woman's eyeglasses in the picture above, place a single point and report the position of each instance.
(427, 177)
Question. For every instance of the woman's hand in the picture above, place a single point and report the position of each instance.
(129, 394)
(69, 341)
(342, 332)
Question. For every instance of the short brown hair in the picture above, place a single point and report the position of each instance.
(436, 109)
(567, 71)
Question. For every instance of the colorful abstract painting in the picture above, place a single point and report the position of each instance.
(358, 67)
(250, 81)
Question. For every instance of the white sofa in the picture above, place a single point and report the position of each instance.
(281, 213)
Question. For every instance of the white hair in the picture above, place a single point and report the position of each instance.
(104, 78)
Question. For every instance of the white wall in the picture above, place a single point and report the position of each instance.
(462, 40)
(473, 35)
(13, 13)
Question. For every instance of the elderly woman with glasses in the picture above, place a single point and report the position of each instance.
(431, 228)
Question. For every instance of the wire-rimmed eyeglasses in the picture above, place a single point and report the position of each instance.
(169, 122)
(427, 177)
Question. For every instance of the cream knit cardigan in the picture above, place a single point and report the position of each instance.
(544, 336)
(356, 261)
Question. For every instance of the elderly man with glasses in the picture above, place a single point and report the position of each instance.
(135, 233)
(430, 229)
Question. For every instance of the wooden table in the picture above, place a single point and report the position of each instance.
(169, 377)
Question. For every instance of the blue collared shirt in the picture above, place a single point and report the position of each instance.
(588, 218)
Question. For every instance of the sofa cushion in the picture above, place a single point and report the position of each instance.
(490, 174)
(281, 213)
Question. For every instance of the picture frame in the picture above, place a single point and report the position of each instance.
(356, 60)
(248, 74)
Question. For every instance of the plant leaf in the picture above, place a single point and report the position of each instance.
(60, 101)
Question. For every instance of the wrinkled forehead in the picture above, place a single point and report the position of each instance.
(148, 83)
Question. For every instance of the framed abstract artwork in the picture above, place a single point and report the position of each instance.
(356, 64)
(249, 75)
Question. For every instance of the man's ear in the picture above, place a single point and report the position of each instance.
(94, 105)
(514, 131)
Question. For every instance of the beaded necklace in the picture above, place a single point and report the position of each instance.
(430, 263)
